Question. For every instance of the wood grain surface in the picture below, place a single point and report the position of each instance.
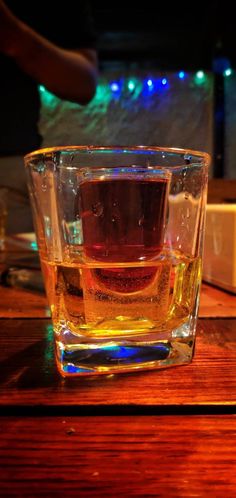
(19, 303)
(118, 456)
(28, 376)
(215, 302)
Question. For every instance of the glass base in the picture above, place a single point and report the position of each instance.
(116, 356)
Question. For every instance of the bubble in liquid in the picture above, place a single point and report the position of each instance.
(97, 209)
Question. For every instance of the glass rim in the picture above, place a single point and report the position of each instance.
(119, 148)
(126, 171)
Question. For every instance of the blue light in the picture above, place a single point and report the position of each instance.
(42, 88)
(164, 81)
(148, 88)
(181, 75)
(70, 368)
(114, 86)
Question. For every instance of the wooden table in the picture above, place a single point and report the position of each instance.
(167, 433)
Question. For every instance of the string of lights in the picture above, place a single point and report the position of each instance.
(152, 84)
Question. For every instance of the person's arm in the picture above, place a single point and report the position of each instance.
(71, 75)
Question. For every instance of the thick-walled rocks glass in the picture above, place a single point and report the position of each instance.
(120, 236)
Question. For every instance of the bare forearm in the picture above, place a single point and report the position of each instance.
(69, 74)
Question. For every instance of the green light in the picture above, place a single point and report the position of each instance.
(227, 72)
(131, 85)
(34, 246)
(200, 75)
(102, 98)
(47, 98)
(49, 329)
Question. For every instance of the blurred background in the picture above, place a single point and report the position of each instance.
(166, 78)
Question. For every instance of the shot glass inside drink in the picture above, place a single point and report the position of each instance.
(120, 234)
(123, 217)
(123, 221)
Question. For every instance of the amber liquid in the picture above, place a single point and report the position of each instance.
(104, 301)
(125, 281)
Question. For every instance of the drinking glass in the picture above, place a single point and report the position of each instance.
(120, 237)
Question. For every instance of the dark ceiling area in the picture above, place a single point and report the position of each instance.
(166, 34)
